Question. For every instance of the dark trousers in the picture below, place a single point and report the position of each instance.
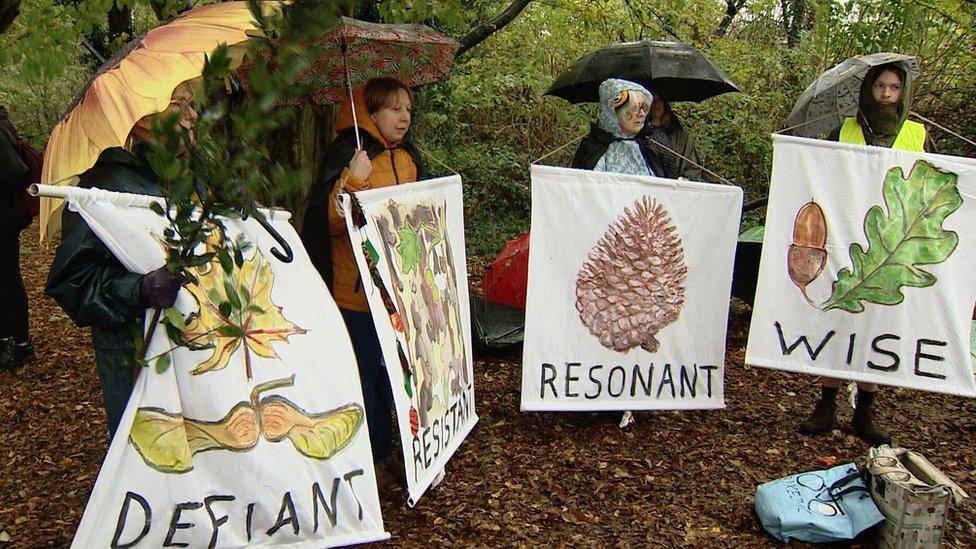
(377, 393)
(115, 376)
(13, 298)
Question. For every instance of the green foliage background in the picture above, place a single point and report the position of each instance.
(489, 121)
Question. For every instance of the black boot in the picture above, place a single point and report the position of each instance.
(824, 416)
(863, 424)
(14, 355)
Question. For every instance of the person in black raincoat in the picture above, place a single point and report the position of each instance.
(95, 289)
(662, 127)
(15, 346)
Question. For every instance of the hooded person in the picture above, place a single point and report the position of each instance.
(93, 287)
(882, 113)
(881, 121)
(612, 144)
(663, 129)
(383, 114)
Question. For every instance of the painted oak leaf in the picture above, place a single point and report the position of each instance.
(907, 235)
(236, 310)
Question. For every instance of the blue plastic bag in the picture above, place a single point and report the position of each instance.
(819, 506)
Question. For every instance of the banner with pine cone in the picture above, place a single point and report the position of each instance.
(415, 276)
(868, 269)
(628, 296)
(246, 426)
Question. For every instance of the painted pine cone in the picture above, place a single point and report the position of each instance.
(633, 283)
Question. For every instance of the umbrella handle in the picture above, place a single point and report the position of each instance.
(288, 255)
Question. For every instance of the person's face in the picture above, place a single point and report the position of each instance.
(393, 120)
(657, 112)
(632, 120)
(181, 104)
(887, 88)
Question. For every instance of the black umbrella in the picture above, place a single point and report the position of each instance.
(676, 71)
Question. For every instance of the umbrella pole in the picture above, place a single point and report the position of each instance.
(352, 100)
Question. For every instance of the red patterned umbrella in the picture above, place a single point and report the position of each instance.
(357, 51)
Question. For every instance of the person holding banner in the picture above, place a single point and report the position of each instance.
(612, 144)
(881, 121)
(93, 287)
(386, 157)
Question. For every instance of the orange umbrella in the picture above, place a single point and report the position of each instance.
(136, 82)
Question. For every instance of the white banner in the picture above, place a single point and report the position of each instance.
(415, 237)
(629, 281)
(257, 436)
(868, 269)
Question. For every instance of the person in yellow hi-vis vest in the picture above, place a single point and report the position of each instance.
(883, 107)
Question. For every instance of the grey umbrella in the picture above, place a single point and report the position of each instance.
(677, 71)
(833, 96)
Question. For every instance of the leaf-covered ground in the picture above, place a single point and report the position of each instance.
(673, 479)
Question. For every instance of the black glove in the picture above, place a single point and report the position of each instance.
(159, 288)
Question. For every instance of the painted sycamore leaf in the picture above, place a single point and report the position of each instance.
(235, 310)
(318, 436)
(899, 240)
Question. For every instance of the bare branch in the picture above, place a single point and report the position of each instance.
(478, 34)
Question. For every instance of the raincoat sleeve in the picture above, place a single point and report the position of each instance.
(13, 171)
(88, 281)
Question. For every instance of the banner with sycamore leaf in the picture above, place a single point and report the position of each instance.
(868, 269)
(415, 276)
(250, 430)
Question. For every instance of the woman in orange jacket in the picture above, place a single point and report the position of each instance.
(386, 157)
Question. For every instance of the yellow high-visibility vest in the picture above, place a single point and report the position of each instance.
(911, 137)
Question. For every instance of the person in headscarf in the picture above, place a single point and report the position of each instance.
(612, 144)
(662, 131)
(884, 104)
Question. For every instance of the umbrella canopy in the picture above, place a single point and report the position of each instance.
(136, 82)
(834, 95)
(356, 51)
(676, 71)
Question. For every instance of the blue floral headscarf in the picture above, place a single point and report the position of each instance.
(623, 155)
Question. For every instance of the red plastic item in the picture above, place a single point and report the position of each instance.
(507, 277)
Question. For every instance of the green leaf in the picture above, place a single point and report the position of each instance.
(235, 300)
(230, 330)
(226, 263)
(909, 234)
(225, 308)
(163, 362)
(175, 318)
(408, 246)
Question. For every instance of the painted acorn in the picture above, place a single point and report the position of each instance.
(807, 255)
(633, 283)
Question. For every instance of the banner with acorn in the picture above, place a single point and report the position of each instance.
(867, 269)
